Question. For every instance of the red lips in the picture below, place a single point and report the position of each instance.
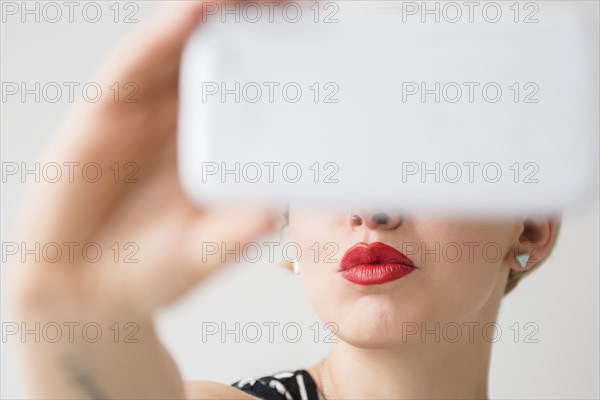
(373, 264)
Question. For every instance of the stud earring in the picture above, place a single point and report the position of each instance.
(523, 259)
(296, 267)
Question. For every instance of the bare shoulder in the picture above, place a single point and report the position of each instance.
(204, 390)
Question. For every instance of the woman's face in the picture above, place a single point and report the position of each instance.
(460, 276)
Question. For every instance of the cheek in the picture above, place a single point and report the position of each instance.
(463, 288)
(318, 233)
(310, 224)
(315, 285)
(468, 267)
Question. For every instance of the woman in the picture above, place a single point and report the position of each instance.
(381, 315)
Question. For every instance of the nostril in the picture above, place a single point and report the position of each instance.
(357, 220)
(380, 218)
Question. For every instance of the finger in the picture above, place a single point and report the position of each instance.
(151, 53)
(140, 80)
(216, 239)
(125, 134)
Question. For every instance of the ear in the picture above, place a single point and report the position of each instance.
(537, 238)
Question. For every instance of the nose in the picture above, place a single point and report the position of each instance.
(382, 220)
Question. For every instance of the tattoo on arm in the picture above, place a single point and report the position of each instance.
(82, 378)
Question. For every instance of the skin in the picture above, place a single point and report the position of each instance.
(155, 214)
(377, 354)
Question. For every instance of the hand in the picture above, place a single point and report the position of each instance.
(145, 213)
(146, 207)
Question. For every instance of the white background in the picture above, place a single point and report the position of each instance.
(562, 298)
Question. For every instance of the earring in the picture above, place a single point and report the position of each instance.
(281, 261)
(296, 267)
(523, 259)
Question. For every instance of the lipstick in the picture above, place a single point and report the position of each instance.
(374, 264)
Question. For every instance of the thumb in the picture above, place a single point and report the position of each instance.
(215, 239)
(152, 52)
(230, 227)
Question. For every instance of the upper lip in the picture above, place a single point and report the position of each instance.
(374, 253)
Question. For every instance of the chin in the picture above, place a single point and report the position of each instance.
(377, 324)
(361, 336)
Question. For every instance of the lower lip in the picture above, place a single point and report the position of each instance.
(376, 274)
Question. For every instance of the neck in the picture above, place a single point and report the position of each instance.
(432, 367)
(426, 370)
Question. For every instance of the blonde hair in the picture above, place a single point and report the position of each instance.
(514, 277)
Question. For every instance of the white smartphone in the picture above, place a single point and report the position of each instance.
(416, 105)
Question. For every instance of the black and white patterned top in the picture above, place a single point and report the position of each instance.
(284, 385)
